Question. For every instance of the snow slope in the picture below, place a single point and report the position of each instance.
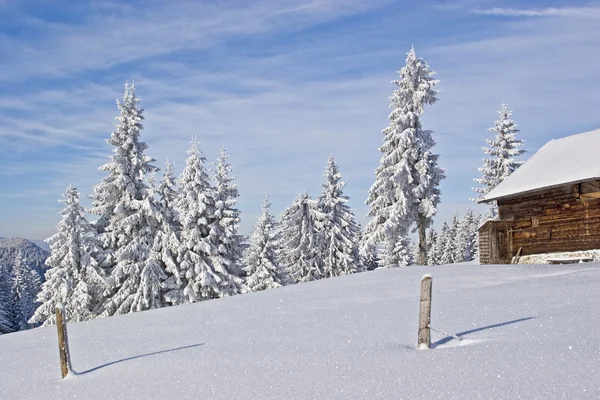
(530, 332)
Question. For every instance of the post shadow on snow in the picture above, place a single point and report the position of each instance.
(134, 357)
(483, 328)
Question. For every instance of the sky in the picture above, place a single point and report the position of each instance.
(282, 84)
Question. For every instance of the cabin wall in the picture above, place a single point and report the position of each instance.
(494, 242)
(554, 220)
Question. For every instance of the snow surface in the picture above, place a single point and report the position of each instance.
(560, 161)
(543, 258)
(530, 332)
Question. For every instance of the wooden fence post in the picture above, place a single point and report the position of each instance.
(63, 341)
(424, 335)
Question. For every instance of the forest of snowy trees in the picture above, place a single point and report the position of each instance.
(166, 240)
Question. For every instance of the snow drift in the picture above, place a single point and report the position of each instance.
(529, 332)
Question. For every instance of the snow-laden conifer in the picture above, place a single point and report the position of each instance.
(441, 244)
(260, 261)
(72, 278)
(367, 253)
(125, 183)
(202, 274)
(500, 154)
(406, 191)
(227, 215)
(129, 217)
(167, 193)
(299, 229)
(5, 303)
(449, 249)
(25, 286)
(339, 233)
(397, 252)
(432, 238)
(466, 238)
(166, 244)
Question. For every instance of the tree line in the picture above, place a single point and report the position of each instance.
(175, 240)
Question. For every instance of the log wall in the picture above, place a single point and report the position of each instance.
(553, 220)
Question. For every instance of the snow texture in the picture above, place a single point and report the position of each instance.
(529, 332)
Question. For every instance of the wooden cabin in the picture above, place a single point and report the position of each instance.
(550, 204)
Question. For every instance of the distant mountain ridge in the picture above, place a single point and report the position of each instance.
(35, 256)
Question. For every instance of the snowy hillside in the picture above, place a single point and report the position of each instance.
(34, 254)
(530, 332)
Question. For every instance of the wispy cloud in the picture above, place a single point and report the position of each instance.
(540, 12)
(282, 85)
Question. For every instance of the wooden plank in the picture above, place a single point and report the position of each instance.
(424, 334)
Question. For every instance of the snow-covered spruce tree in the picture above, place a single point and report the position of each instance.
(25, 286)
(299, 229)
(166, 244)
(397, 252)
(441, 244)
(500, 161)
(167, 193)
(367, 254)
(5, 302)
(260, 261)
(466, 238)
(449, 250)
(339, 231)
(72, 278)
(227, 215)
(406, 191)
(201, 273)
(129, 217)
(432, 238)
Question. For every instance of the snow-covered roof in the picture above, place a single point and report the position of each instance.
(571, 159)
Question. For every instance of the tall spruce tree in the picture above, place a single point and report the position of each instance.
(227, 215)
(201, 273)
(339, 232)
(299, 229)
(500, 161)
(72, 279)
(406, 191)
(260, 261)
(129, 216)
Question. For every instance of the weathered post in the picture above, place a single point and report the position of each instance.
(63, 341)
(424, 336)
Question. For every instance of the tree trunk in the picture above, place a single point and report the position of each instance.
(422, 243)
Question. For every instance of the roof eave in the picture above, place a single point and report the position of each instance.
(488, 199)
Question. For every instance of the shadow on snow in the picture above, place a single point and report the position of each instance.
(135, 357)
(483, 328)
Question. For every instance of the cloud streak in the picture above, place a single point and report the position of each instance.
(589, 12)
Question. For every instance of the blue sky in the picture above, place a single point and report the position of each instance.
(282, 84)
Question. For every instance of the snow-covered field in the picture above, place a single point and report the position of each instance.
(530, 332)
